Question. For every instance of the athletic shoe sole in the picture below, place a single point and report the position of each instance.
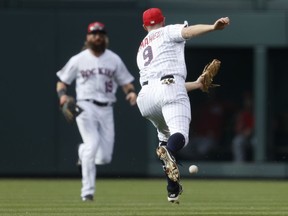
(171, 167)
(88, 198)
(176, 198)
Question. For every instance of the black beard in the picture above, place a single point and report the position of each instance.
(97, 48)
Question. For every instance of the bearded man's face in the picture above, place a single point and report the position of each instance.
(96, 41)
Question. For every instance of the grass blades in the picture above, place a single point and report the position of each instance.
(143, 197)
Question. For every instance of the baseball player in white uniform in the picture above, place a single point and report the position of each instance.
(98, 72)
(163, 97)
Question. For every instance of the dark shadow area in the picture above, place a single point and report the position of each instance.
(214, 114)
(278, 104)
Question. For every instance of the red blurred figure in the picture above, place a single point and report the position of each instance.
(242, 143)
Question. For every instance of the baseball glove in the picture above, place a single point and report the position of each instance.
(70, 110)
(209, 72)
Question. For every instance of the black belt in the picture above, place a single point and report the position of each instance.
(98, 103)
(162, 78)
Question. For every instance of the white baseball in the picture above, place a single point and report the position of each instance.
(193, 169)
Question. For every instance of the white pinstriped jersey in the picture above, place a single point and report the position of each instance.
(161, 53)
(97, 78)
(165, 104)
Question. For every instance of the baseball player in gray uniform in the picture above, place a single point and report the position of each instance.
(163, 97)
(98, 72)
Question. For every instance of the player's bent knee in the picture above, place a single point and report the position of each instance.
(103, 161)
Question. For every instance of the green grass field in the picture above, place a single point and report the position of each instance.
(59, 197)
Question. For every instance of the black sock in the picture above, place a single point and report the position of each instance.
(175, 142)
(172, 186)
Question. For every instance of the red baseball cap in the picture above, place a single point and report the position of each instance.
(152, 16)
(96, 27)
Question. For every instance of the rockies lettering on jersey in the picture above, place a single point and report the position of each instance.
(97, 78)
(102, 71)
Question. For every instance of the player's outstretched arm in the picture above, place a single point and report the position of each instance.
(199, 29)
(198, 84)
(221, 23)
(190, 86)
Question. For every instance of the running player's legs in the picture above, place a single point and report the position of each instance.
(87, 125)
(149, 104)
(177, 116)
(159, 123)
(176, 108)
(107, 136)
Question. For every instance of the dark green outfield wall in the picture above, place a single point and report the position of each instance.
(36, 40)
(35, 44)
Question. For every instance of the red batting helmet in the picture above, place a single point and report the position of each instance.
(152, 17)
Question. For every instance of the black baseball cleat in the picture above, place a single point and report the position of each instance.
(88, 197)
(170, 165)
(173, 195)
